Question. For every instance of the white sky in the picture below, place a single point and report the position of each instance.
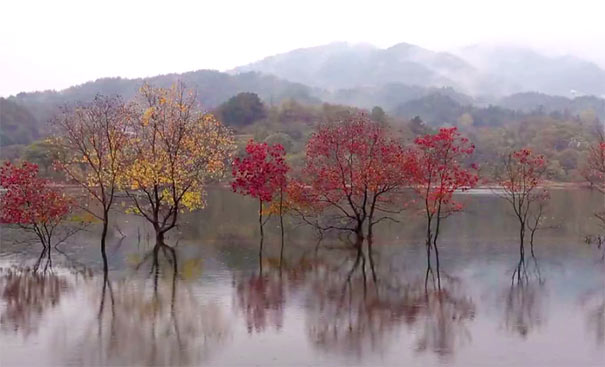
(53, 44)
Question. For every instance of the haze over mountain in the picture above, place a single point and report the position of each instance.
(405, 80)
(342, 65)
(515, 69)
(476, 70)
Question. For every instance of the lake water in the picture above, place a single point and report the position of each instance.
(219, 311)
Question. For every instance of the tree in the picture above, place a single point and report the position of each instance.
(439, 172)
(261, 174)
(352, 174)
(91, 141)
(520, 179)
(242, 109)
(32, 203)
(378, 114)
(173, 151)
(43, 153)
(417, 126)
(280, 138)
(594, 169)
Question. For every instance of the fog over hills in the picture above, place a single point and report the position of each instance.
(405, 80)
(478, 70)
(513, 69)
(342, 65)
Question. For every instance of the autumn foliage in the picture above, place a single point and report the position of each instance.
(595, 165)
(521, 177)
(173, 151)
(439, 172)
(91, 139)
(261, 172)
(91, 142)
(353, 179)
(351, 170)
(31, 202)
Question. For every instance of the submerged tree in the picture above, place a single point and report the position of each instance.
(31, 203)
(520, 179)
(261, 174)
(92, 138)
(594, 167)
(439, 172)
(594, 170)
(352, 173)
(173, 151)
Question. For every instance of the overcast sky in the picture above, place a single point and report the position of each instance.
(55, 44)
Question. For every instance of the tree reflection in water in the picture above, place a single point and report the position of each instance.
(594, 304)
(445, 315)
(351, 315)
(524, 308)
(358, 322)
(28, 295)
(156, 321)
(261, 299)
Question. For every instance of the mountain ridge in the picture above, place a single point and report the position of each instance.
(476, 70)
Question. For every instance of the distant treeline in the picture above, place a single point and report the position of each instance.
(274, 110)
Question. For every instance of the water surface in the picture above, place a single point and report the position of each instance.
(220, 311)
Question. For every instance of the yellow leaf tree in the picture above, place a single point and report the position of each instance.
(173, 152)
(91, 139)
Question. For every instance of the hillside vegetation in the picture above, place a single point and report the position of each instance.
(283, 97)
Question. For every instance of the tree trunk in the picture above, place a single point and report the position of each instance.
(437, 225)
(531, 240)
(159, 238)
(429, 237)
(262, 236)
(370, 252)
(281, 226)
(521, 250)
(103, 241)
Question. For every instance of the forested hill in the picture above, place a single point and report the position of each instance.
(478, 70)
(24, 117)
(443, 107)
(212, 87)
(270, 108)
(342, 65)
(18, 125)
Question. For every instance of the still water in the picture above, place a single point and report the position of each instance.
(220, 311)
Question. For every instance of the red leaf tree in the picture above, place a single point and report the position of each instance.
(520, 178)
(261, 174)
(31, 202)
(439, 172)
(352, 175)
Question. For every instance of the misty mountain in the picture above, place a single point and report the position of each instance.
(404, 80)
(476, 70)
(346, 66)
(508, 70)
(388, 96)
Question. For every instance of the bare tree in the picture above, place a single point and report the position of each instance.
(92, 137)
(520, 179)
